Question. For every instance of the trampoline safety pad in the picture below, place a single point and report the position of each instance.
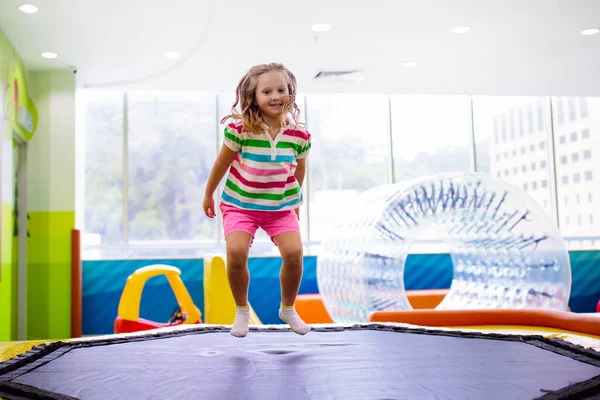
(370, 361)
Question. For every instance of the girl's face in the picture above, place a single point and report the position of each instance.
(271, 94)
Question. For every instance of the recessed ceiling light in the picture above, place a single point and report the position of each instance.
(589, 32)
(28, 8)
(321, 27)
(172, 54)
(461, 29)
(49, 55)
(409, 64)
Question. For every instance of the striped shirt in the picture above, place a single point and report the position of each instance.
(261, 176)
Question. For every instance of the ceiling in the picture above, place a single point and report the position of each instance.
(515, 47)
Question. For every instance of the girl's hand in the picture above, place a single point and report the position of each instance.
(209, 206)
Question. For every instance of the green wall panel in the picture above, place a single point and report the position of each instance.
(49, 275)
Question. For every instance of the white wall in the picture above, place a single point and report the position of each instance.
(51, 152)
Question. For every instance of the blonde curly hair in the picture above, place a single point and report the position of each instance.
(245, 96)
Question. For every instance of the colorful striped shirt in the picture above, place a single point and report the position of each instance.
(261, 176)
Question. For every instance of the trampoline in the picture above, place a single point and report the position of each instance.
(363, 361)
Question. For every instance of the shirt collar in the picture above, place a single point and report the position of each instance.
(266, 127)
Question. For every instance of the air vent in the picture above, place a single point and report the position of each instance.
(339, 76)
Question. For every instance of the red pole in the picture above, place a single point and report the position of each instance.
(75, 283)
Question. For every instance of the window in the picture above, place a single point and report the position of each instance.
(521, 123)
(171, 141)
(571, 105)
(585, 134)
(583, 106)
(430, 135)
(512, 124)
(351, 151)
(530, 118)
(102, 112)
(541, 115)
(485, 109)
(588, 176)
(560, 109)
(224, 105)
(170, 158)
(577, 171)
(166, 143)
(496, 135)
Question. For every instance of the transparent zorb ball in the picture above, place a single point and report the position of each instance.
(505, 249)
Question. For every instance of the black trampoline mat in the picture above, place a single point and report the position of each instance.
(325, 364)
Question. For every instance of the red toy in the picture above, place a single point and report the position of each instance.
(129, 319)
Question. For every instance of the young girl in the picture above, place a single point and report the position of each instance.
(264, 150)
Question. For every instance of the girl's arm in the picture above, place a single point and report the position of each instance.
(300, 172)
(222, 163)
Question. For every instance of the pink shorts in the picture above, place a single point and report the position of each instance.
(273, 222)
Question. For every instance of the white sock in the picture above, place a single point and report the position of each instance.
(240, 325)
(289, 315)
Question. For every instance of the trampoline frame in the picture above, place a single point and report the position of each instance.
(42, 354)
